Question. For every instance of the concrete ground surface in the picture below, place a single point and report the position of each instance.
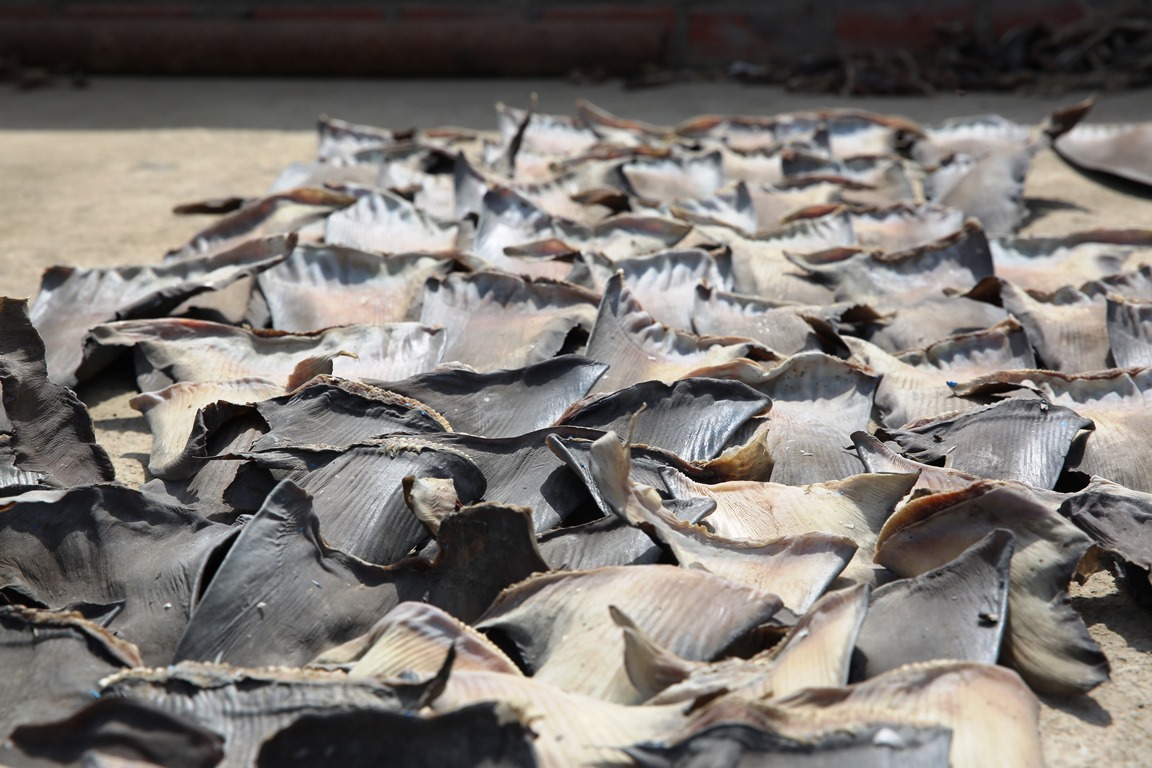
(88, 177)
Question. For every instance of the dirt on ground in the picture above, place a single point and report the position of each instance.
(89, 178)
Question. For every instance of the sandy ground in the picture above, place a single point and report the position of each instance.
(89, 178)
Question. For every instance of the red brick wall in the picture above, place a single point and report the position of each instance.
(359, 37)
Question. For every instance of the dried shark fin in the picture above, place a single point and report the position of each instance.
(855, 508)
(321, 286)
(256, 612)
(1045, 640)
(137, 733)
(331, 411)
(693, 418)
(384, 223)
(80, 651)
(180, 424)
(817, 653)
(1032, 437)
(796, 568)
(358, 493)
(570, 728)
(817, 402)
(411, 642)
(956, 611)
(485, 733)
(734, 744)
(72, 301)
(1115, 400)
(918, 383)
(172, 350)
(1117, 149)
(1047, 264)
(496, 320)
(993, 716)
(113, 549)
(52, 433)
(1129, 331)
(1118, 520)
(638, 348)
(1069, 331)
(507, 402)
(650, 668)
(431, 499)
(555, 621)
(246, 706)
(958, 261)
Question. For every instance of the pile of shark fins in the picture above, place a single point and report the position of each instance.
(747, 441)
